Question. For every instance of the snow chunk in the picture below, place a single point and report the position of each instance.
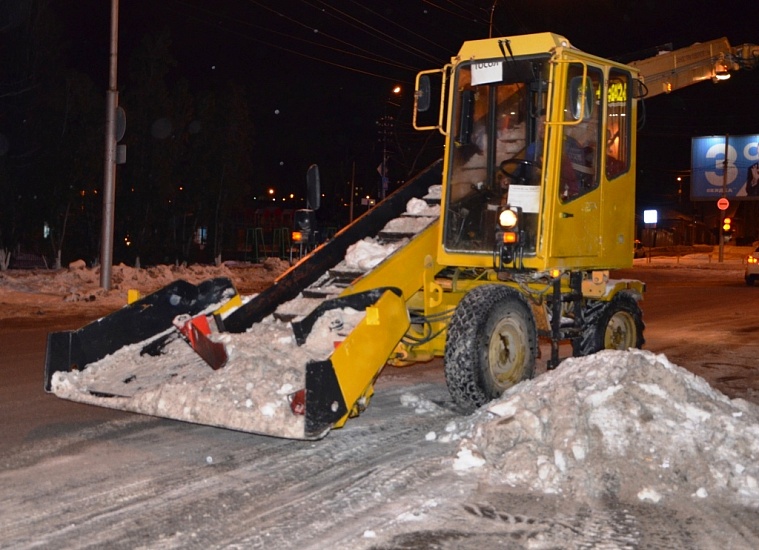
(420, 405)
(407, 225)
(368, 253)
(286, 389)
(434, 192)
(467, 459)
(419, 207)
(649, 494)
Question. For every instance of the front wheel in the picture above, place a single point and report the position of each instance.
(616, 324)
(491, 345)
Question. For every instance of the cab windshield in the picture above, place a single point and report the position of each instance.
(498, 121)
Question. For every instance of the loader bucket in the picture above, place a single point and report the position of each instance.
(270, 384)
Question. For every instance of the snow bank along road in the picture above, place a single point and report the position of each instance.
(396, 477)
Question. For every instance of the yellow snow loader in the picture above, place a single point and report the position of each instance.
(505, 243)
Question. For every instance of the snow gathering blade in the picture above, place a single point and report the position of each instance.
(281, 389)
(271, 378)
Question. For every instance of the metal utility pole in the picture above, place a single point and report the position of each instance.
(492, 11)
(109, 178)
(385, 125)
(353, 189)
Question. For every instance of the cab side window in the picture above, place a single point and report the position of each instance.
(618, 121)
(581, 132)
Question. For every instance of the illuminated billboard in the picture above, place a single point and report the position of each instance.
(712, 177)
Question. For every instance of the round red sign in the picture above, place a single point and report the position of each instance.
(723, 203)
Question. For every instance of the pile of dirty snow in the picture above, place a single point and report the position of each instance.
(76, 288)
(619, 425)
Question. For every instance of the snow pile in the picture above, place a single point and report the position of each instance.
(79, 284)
(617, 425)
(76, 283)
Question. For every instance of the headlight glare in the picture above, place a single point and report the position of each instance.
(507, 219)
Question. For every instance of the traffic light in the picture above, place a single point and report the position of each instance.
(727, 226)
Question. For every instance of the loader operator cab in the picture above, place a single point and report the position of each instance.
(499, 145)
(539, 134)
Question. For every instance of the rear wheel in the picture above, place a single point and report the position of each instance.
(617, 324)
(491, 345)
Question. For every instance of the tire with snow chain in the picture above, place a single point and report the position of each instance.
(491, 345)
(616, 324)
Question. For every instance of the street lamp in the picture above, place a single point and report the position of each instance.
(386, 124)
(650, 218)
(721, 69)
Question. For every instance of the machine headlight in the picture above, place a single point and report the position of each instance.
(507, 219)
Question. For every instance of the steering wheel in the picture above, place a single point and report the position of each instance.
(523, 167)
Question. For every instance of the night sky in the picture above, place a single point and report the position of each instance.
(322, 71)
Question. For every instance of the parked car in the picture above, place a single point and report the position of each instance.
(752, 267)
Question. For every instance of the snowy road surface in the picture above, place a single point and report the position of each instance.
(76, 476)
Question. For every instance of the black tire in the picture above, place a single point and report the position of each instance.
(491, 345)
(750, 280)
(617, 324)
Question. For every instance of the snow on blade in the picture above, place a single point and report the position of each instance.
(250, 394)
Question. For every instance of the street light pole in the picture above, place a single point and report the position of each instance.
(492, 11)
(387, 123)
(109, 172)
(353, 189)
(722, 212)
